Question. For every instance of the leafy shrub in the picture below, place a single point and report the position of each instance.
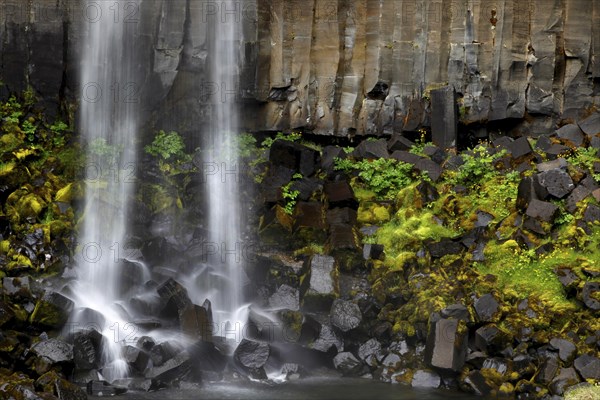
(385, 177)
(167, 146)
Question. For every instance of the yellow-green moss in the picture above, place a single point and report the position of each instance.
(591, 392)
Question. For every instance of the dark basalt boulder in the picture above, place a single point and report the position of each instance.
(251, 357)
(487, 308)
(558, 182)
(345, 315)
(54, 350)
(590, 294)
(566, 349)
(371, 149)
(286, 297)
(340, 194)
(294, 156)
(171, 370)
(87, 349)
(588, 366)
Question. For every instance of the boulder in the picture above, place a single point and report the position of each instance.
(588, 366)
(171, 370)
(406, 157)
(557, 182)
(252, 356)
(577, 195)
(490, 339)
(369, 351)
(399, 142)
(519, 147)
(444, 247)
(547, 371)
(486, 308)
(174, 296)
(54, 350)
(446, 346)
(292, 371)
(571, 134)
(319, 287)
(371, 149)
(136, 358)
(373, 251)
(16, 286)
(131, 273)
(52, 310)
(559, 163)
(456, 311)
(294, 156)
(195, 323)
(591, 125)
(541, 210)
(590, 294)
(430, 167)
(318, 334)
(425, 379)
(566, 349)
(347, 364)
(340, 194)
(345, 315)
(162, 352)
(566, 378)
(87, 349)
(286, 297)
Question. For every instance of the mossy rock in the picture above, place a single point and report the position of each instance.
(48, 313)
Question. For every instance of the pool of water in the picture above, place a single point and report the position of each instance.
(309, 388)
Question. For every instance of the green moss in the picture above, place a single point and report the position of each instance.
(591, 392)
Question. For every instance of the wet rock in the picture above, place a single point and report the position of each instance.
(424, 379)
(486, 308)
(318, 334)
(319, 287)
(558, 182)
(571, 134)
(347, 364)
(195, 322)
(163, 352)
(286, 297)
(251, 357)
(566, 378)
(173, 369)
(341, 238)
(391, 360)
(588, 366)
(131, 273)
(294, 156)
(207, 358)
(52, 310)
(369, 350)
(87, 349)
(174, 296)
(446, 346)
(566, 349)
(51, 382)
(292, 371)
(103, 389)
(55, 350)
(547, 371)
(309, 214)
(371, 149)
(145, 343)
(340, 194)
(345, 315)
(136, 358)
(590, 294)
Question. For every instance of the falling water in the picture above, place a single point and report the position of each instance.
(108, 110)
(221, 171)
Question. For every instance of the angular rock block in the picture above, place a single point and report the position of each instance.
(446, 346)
(444, 124)
(319, 286)
(345, 315)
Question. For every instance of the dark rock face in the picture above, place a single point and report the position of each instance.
(294, 156)
(172, 369)
(371, 149)
(87, 349)
(444, 126)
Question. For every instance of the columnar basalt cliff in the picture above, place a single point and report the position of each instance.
(343, 68)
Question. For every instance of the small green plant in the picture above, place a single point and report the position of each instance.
(101, 149)
(246, 145)
(290, 197)
(292, 137)
(478, 167)
(167, 146)
(585, 158)
(385, 177)
(29, 129)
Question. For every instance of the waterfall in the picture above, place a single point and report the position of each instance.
(108, 125)
(222, 174)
